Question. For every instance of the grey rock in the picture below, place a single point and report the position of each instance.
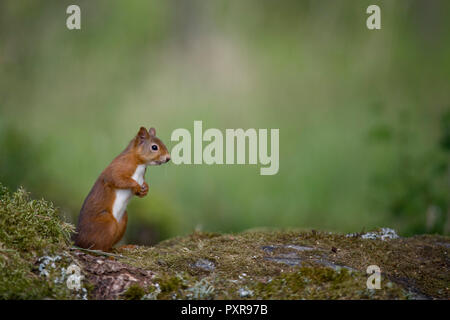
(272, 248)
(289, 261)
(205, 265)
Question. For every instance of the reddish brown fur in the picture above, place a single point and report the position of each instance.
(97, 228)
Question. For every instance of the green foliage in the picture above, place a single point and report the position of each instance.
(17, 150)
(445, 138)
(414, 189)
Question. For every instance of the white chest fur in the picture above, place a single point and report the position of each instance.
(124, 195)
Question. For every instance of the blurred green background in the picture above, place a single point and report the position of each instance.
(363, 115)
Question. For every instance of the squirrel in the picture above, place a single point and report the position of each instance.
(103, 217)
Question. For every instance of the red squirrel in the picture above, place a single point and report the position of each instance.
(103, 216)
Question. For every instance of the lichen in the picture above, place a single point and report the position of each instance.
(202, 289)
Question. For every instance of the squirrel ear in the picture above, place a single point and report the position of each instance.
(142, 134)
(152, 131)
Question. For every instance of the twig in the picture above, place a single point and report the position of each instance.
(99, 252)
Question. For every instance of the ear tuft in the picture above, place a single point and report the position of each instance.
(143, 133)
(152, 131)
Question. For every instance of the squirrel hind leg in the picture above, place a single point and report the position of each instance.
(121, 228)
(98, 234)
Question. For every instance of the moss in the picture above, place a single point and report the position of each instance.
(323, 283)
(171, 286)
(30, 229)
(241, 261)
(16, 279)
(89, 288)
(134, 292)
(29, 225)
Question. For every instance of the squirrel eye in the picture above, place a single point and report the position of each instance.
(154, 147)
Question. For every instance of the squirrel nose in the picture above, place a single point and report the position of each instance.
(167, 158)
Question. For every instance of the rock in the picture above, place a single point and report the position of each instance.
(290, 261)
(245, 293)
(204, 265)
(444, 244)
(298, 248)
(292, 258)
(332, 265)
(110, 277)
(271, 248)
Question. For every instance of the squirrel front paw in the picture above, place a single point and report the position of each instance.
(143, 190)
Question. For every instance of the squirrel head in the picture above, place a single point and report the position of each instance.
(150, 150)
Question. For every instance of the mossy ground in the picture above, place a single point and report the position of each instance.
(35, 250)
(416, 267)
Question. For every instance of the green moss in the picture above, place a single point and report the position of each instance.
(171, 285)
(29, 225)
(30, 229)
(134, 292)
(323, 283)
(16, 279)
(89, 288)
